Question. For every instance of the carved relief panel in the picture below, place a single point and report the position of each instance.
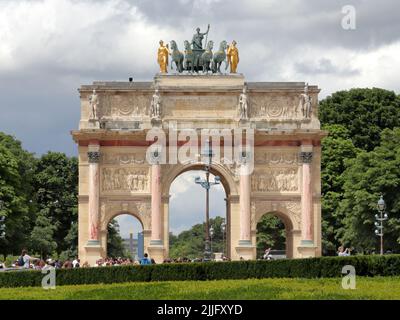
(123, 107)
(276, 107)
(124, 180)
(276, 180)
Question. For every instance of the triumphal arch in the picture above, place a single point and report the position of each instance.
(135, 138)
(116, 176)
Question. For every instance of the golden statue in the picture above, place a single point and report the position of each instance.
(162, 57)
(233, 56)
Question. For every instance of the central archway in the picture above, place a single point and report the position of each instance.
(228, 184)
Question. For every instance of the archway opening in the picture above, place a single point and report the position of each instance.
(187, 216)
(273, 232)
(125, 237)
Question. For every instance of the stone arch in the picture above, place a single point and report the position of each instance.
(227, 177)
(289, 212)
(141, 210)
(227, 180)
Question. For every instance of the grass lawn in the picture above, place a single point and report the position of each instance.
(366, 288)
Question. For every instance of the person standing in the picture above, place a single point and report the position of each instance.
(145, 260)
(25, 260)
(342, 252)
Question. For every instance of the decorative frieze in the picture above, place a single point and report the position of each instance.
(276, 180)
(125, 106)
(123, 158)
(274, 158)
(124, 179)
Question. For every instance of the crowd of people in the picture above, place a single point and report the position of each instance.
(26, 261)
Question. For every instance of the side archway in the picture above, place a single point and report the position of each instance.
(141, 210)
(289, 212)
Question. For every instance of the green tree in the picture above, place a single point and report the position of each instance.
(16, 171)
(42, 236)
(271, 233)
(115, 243)
(364, 112)
(366, 177)
(336, 149)
(191, 243)
(56, 193)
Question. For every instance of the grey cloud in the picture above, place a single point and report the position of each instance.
(323, 66)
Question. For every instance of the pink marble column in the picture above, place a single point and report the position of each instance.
(93, 158)
(245, 234)
(156, 235)
(306, 199)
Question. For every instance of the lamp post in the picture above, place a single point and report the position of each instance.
(223, 238)
(206, 184)
(211, 238)
(379, 220)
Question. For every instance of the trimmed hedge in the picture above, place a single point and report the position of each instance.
(296, 268)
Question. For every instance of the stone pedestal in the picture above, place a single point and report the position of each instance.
(307, 250)
(93, 252)
(157, 253)
(245, 250)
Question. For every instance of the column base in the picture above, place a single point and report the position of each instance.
(307, 249)
(93, 252)
(246, 250)
(156, 251)
(156, 242)
(93, 243)
(307, 243)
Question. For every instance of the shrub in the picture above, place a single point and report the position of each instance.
(324, 267)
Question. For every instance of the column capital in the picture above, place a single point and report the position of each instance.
(93, 156)
(306, 157)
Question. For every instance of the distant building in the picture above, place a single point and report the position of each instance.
(134, 247)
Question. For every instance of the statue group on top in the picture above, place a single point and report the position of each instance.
(195, 58)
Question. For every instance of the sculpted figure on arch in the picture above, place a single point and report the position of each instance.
(162, 57)
(306, 103)
(94, 102)
(155, 107)
(233, 56)
(243, 105)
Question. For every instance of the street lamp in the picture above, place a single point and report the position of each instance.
(223, 226)
(211, 238)
(207, 184)
(379, 220)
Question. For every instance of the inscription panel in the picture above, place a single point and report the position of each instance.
(200, 106)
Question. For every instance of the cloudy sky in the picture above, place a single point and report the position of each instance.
(48, 48)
